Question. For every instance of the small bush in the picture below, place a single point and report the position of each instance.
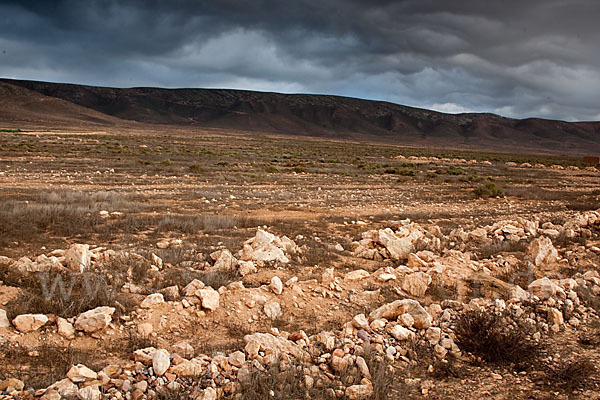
(454, 170)
(403, 171)
(196, 168)
(11, 130)
(494, 338)
(490, 189)
(299, 169)
(271, 169)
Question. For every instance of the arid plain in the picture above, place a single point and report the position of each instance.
(174, 262)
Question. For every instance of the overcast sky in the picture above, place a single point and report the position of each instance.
(517, 58)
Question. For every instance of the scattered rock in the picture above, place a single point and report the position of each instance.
(152, 300)
(29, 322)
(65, 328)
(145, 329)
(416, 284)
(4, 322)
(266, 247)
(400, 333)
(184, 349)
(357, 275)
(80, 373)
(276, 345)
(272, 309)
(359, 392)
(276, 285)
(89, 393)
(543, 288)
(94, 320)
(160, 362)
(170, 293)
(541, 251)
(392, 310)
(193, 287)
(78, 257)
(237, 359)
(209, 298)
(11, 385)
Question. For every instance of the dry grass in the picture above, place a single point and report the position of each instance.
(572, 375)
(64, 295)
(205, 223)
(134, 341)
(41, 366)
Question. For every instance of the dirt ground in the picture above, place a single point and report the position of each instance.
(140, 191)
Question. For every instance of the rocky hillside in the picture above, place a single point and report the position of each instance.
(325, 116)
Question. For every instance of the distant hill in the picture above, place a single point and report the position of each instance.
(295, 114)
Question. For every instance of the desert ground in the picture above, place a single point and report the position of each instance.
(182, 263)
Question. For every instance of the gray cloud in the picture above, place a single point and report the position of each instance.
(517, 58)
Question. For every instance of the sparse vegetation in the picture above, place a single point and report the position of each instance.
(41, 366)
(65, 295)
(495, 338)
(572, 375)
(185, 197)
(489, 189)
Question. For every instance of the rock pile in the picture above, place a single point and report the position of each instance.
(266, 247)
(396, 242)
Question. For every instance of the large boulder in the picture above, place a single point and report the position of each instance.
(94, 320)
(396, 308)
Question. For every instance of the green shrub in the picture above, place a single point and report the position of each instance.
(403, 171)
(490, 189)
(299, 168)
(271, 169)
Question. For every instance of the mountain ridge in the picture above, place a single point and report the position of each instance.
(326, 116)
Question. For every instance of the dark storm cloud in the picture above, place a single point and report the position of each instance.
(516, 58)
